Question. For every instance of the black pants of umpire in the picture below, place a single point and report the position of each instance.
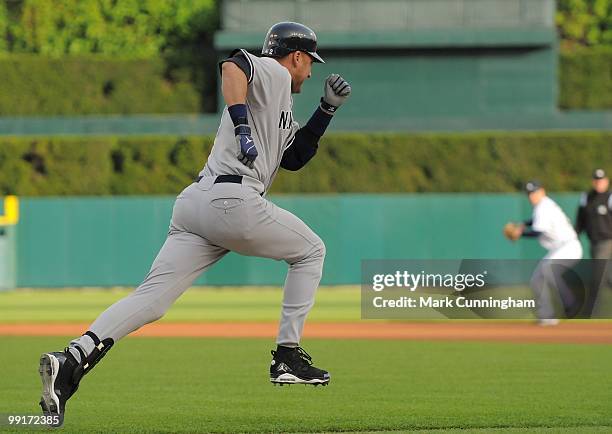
(601, 252)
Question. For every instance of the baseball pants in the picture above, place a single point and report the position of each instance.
(602, 274)
(547, 281)
(208, 221)
(600, 303)
(601, 249)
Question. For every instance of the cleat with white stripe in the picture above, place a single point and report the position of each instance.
(294, 366)
(56, 373)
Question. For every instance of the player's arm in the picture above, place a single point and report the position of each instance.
(236, 72)
(234, 84)
(306, 140)
(532, 228)
(529, 233)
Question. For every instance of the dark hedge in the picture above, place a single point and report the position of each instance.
(372, 163)
(33, 85)
(585, 79)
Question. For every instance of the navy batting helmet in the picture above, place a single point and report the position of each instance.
(287, 37)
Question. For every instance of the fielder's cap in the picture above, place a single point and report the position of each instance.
(532, 186)
(599, 174)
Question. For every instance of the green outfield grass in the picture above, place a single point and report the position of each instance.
(338, 303)
(203, 385)
(210, 304)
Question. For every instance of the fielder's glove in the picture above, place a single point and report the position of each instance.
(336, 91)
(246, 144)
(513, 231)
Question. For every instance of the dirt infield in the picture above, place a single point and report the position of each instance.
(585, 332)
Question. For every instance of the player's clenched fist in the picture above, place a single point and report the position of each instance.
(336, 90)
(247, 150)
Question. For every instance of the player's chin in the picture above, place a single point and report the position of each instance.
(296, 88)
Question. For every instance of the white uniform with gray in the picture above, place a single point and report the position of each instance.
(211, 218)
(564, 250)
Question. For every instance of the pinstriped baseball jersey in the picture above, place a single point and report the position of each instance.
(269, 105)
(552, 223)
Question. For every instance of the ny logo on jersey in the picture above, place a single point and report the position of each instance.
(286, 119)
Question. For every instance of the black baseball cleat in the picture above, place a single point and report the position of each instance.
(294, 366)
(58, 383)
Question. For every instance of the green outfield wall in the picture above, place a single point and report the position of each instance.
(108, 241)
(414, 58)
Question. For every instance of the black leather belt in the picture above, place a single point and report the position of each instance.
(234, 179)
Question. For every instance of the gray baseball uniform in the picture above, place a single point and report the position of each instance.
(225, 210)
(211, 218)
(269, 103)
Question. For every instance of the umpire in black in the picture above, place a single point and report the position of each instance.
(595, 218)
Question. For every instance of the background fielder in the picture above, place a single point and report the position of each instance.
(555, 233)
(225, 210)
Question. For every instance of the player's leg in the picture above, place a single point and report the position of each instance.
(181, 259)
(601, 285)
(549, 284)
(253, 226)
(304, 252)
(601, 251)
(238, 219)
(542, 292)
(288, 238)
(562, 261)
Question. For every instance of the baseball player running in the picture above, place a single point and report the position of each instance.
(225, 210)
(555, 233)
